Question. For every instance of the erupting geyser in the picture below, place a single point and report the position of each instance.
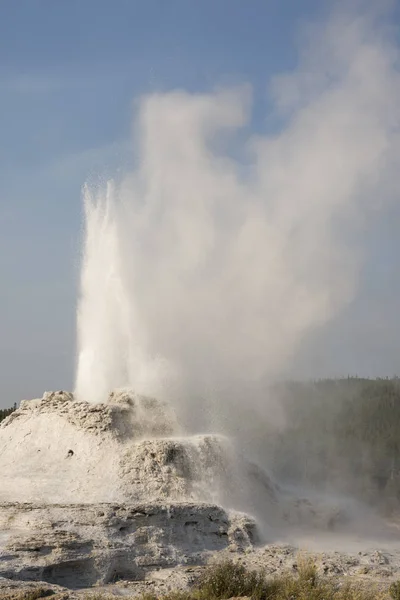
(201, 274)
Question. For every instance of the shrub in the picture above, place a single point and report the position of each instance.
(229, 579)
(37, 593)
(394, 590)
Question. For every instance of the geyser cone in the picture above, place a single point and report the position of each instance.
(60, 450)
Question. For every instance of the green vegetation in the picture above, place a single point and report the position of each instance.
(38, 593)
(394, 590)
(32, 594)
(339, 435)
(232, 580)
(6, 411)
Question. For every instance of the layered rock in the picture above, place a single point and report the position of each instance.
(82, 545)
(90, 493)
(95, 493)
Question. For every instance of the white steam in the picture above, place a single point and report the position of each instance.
(207, 270)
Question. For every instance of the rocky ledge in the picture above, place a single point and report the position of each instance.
(84, 545)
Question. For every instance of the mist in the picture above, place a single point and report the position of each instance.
(206, 267)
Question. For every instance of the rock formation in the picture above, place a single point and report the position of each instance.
(79, 545)
(97, 493)
(92, 493)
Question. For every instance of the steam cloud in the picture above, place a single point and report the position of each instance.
(204, 271)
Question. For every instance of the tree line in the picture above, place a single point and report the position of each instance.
(7, 411)
(340, 435)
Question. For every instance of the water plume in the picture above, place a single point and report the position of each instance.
(205, 272)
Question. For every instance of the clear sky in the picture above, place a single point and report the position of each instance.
(69, 73)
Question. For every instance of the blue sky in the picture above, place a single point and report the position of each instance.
(69, 72)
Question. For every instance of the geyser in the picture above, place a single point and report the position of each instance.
(201, 274)
(204, 271)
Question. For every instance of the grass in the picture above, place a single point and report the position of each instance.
(233, 580)
(33, 594)
(230, 579)
(394, 590)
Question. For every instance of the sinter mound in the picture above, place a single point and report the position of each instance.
(91, 493)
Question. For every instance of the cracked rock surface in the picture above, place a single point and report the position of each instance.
(90, 494)
(82, 545)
